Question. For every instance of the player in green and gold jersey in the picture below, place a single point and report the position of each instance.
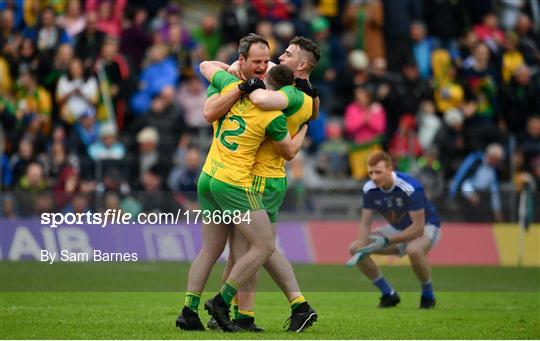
(269, 173)
(226, 185)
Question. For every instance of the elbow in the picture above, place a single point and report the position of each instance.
(289, 155)
(256, 100)
(208, 115)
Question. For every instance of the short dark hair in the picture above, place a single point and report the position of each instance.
(309, 46)
(247, 41)
(280, 76)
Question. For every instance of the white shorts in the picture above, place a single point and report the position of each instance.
(432, 232)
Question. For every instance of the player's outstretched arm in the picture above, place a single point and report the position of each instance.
(415, 230)
(289, 147)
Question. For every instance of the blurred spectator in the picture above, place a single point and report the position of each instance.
(478, 172)
(109, 15)
(489, 33)
(445, 20)
(88, 43)
(481, 80)
(183, 179)
(168, 122)
(49, 73)
(152, 195)
(265, 29)
(114, 74)
(528, 42)
(450, 140)
(448, 92)
(191, 97)
(20, 160)
(404, 146)
(9, 207)
(520, 100)
(33, 179)
(330, 63)
(47, 35)
(208, 37)
(79, 204)
(73, 21)
(33, 99)
(332, 156)
(529, 142)
(159, 71)
(365, 123)
(108, 147)
(398, 17)
(238, 19)
(77, 92)
(363, 21)
(422, 48)
(29, 57)
(512, 59)
(135, 39)
(411, 90)
(353, 75)
(509, 13)
(181, 51)
(173, 18)
(82, 137)
(427, 168)
(147, 155)
(429, 124)
(273, 10)
(8, 32)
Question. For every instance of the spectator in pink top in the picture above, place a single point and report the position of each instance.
(488, 31)
(365, 124)
(109, 15)
(364, 121)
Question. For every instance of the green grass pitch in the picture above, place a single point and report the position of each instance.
(141, 301)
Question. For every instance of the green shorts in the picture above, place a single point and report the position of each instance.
(273, 191)
(216, 195)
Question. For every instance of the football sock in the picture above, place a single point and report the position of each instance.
(244, 314)
(228, 290)
(427, 290)
(234, 304)
(295, 302)
(192, 300)
(384, 286)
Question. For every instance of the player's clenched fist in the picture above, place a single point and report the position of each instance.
(251, 85)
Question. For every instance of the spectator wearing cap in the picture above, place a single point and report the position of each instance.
(108, 147)
(478, 173)
(147, 155)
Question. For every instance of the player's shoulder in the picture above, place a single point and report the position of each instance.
(369, 186)
(407, 183)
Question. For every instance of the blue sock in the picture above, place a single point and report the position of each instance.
(427, 290)
(384, 286)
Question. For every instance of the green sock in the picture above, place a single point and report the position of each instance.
(192, 300)
(295, 303)
(228, 290)
(244, 314)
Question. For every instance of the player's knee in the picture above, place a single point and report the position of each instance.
(212, 252)
(415, 252)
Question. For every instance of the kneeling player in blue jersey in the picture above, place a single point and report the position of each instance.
(414, 228)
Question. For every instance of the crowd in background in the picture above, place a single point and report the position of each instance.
(102, 96)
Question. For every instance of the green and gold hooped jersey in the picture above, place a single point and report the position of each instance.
(269, 163)
(239, 134)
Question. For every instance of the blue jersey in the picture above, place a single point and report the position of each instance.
(394, 205)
